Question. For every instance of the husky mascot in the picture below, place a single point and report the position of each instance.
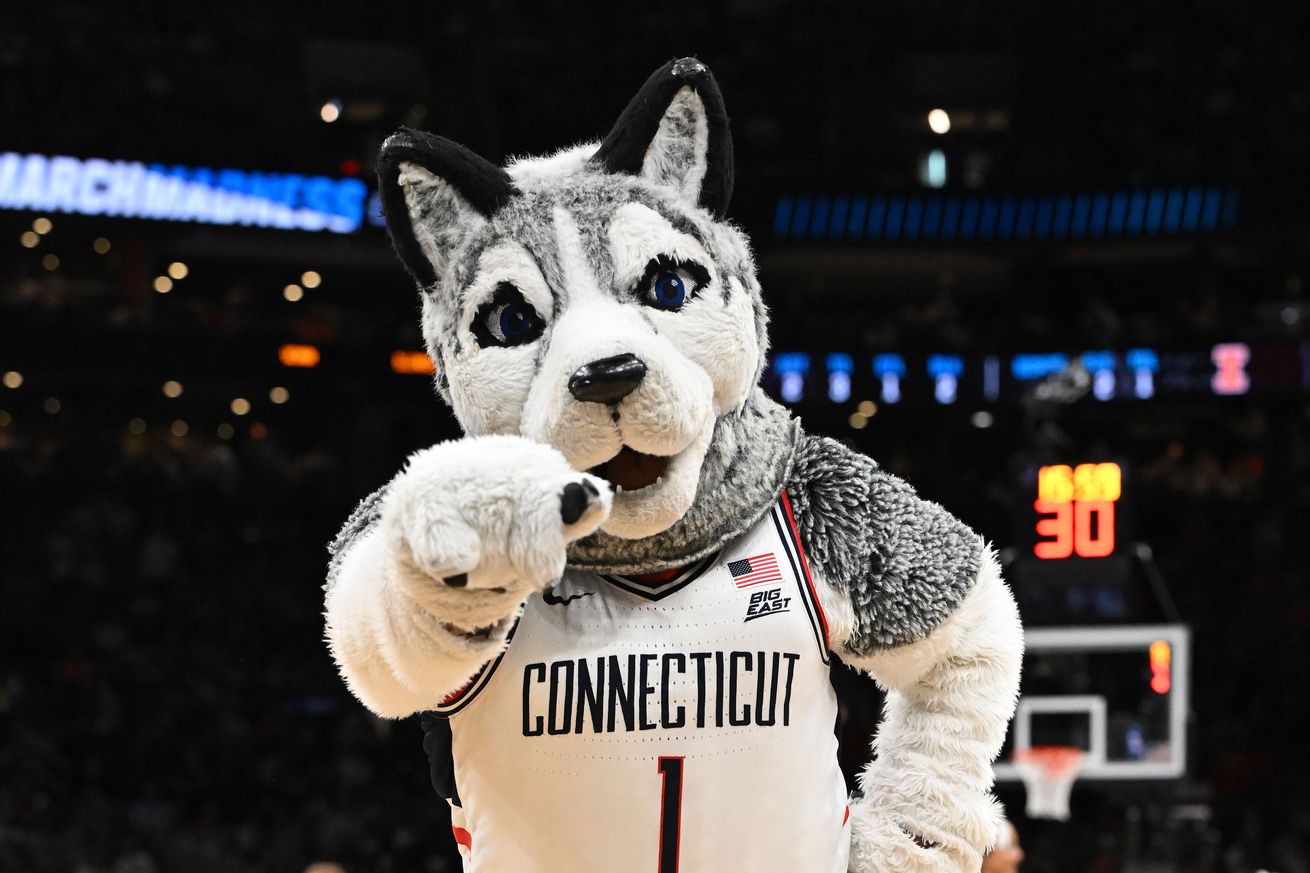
(615, 599)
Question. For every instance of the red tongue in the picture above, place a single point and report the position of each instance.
(657, 578)
(633, 470)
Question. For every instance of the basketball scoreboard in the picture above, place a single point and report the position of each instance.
(1076, 509)
(1222, 370)
(1074, 554)
(1102, 677)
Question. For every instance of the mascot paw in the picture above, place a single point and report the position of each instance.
(879, 845)
(478, 524)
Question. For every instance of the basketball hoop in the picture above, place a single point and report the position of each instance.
(1048, 775)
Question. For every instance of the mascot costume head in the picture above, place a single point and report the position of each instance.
(599, 331)
(599, 302)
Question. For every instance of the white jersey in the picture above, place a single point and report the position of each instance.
(685, 725)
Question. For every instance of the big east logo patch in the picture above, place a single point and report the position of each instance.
(766, 603)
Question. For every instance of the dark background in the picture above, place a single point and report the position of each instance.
(166, 702)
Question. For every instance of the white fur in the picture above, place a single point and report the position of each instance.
(488, 507)
(488, 387)
(950, 697)
(535, 173)
(670, 414)
(716, 330)
(420, 183)
(667, 161)
(638, 233)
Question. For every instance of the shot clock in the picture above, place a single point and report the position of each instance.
(1074, 557)
(1076, 510)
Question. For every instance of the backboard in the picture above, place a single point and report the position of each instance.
(1119, 693)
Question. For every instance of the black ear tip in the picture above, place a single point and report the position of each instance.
(402, 137)
(406, 142)
(394, 148)
(689, 68)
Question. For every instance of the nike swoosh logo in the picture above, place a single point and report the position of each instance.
(554, 599)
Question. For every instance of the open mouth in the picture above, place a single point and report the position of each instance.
(631, 470)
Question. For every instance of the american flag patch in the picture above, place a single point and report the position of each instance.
(755, 570)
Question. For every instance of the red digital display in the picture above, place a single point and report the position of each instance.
(1230, 376)
(1161, 655)
(1077, 509)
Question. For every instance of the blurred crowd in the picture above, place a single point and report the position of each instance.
(167, 703)
(166, 699)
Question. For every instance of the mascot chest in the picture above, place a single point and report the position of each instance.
(715, 677)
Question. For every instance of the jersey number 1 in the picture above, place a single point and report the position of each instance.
(670, 813)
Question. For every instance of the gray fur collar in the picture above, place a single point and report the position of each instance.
(749, 459)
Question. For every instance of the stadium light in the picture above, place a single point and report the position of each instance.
(939, 120)
(932, 171)
(298, 355)
(412, 363)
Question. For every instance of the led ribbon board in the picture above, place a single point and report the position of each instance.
(1125, 212)
(1076, 505)
(131, 189)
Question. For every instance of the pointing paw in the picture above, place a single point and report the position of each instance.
(478, 524)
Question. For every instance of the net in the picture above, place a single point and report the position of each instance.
(1048, 775)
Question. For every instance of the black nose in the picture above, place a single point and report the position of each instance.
(608, 380)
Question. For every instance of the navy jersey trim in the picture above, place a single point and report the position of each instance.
(805, 566)
(438, 745)
(480, 679)
(664, 589)
(812, 610)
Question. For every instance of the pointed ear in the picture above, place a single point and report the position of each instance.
(675, 133)
(434, 193)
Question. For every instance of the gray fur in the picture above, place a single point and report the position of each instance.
(676, 157)
(904, 562)
(361, 521)
(748, 460)
(443, 222)
(592, 197)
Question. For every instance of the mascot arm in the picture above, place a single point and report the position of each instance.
(916, 599)
(429, 573)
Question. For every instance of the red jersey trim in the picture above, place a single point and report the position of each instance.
(805, 566)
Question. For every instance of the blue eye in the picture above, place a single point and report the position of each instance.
(668, 284)
(668, 291)
(515, 321)
(507, 319)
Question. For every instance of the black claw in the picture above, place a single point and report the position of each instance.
(586, 483)
(459, 580)
(573, 502)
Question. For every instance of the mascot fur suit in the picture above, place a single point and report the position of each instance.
(616, 597)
